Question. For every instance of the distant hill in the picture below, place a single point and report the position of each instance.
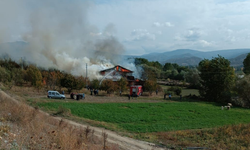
(238, 61)
(187, 61)
(189, 57)
(184, 57)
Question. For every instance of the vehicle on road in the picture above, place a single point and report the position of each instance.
(135, 90)
(55, 94)
(77, 96)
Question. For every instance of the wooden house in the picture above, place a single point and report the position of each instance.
(117, 72)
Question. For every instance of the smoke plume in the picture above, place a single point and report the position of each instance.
(56, 33)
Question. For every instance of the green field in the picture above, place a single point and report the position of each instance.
(155, 117)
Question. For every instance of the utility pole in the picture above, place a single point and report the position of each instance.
(86, 75)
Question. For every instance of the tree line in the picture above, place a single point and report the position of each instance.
(23, 74)
(215, 78)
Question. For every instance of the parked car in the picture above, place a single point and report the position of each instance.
(77, 96)
(55, 94)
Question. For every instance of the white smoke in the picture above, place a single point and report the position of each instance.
(58, 34)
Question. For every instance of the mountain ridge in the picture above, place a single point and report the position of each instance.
(189, 57)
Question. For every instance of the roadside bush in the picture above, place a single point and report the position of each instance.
(150, 86)
(80, 82)
(159, 88)
(242, 88)
(4, 75)
(109, 86)
(122, 84)
(94, 84)
(34, 76)
(52, 78)
(63, 111)
(175, 89)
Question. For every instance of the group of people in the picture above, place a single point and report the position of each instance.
(95, 91)
(169, 96)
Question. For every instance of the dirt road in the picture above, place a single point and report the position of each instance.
(124, 143)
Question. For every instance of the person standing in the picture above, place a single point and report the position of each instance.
(169, 95)
(165, 96)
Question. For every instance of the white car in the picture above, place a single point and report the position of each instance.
(55, 94)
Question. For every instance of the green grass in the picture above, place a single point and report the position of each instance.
(156, 117)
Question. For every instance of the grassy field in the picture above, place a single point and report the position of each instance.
(155, 117)
(173, 124)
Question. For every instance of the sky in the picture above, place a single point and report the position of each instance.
(136, 27)
(148, 26)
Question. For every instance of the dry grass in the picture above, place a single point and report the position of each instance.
(226, 137)
(24, 127)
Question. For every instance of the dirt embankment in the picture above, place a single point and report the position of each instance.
(124, 143)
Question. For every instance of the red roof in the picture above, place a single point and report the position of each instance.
(119, 69)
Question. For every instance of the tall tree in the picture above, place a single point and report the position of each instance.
(80, 82)
(246, 64)
(243, 88)
(122, 84)
(155, 64)
(149, 73)
(168, 66)
(109, 86)
(4, 75)
(192, 77)
(69, 82)
(34, 75)
(140, 61)
(217, 79)
(150, 86)
(95, 84)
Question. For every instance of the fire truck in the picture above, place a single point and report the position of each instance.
(135, 90)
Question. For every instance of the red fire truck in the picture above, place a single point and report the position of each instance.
(135, 90)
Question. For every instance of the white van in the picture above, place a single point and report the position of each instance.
(55, 94)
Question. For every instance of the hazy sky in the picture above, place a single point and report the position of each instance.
(141, 26)
(145, 26)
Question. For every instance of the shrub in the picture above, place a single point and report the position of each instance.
(4, 75)
(63, 111)
(150, 86)
(175, 89)
(242, 88)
